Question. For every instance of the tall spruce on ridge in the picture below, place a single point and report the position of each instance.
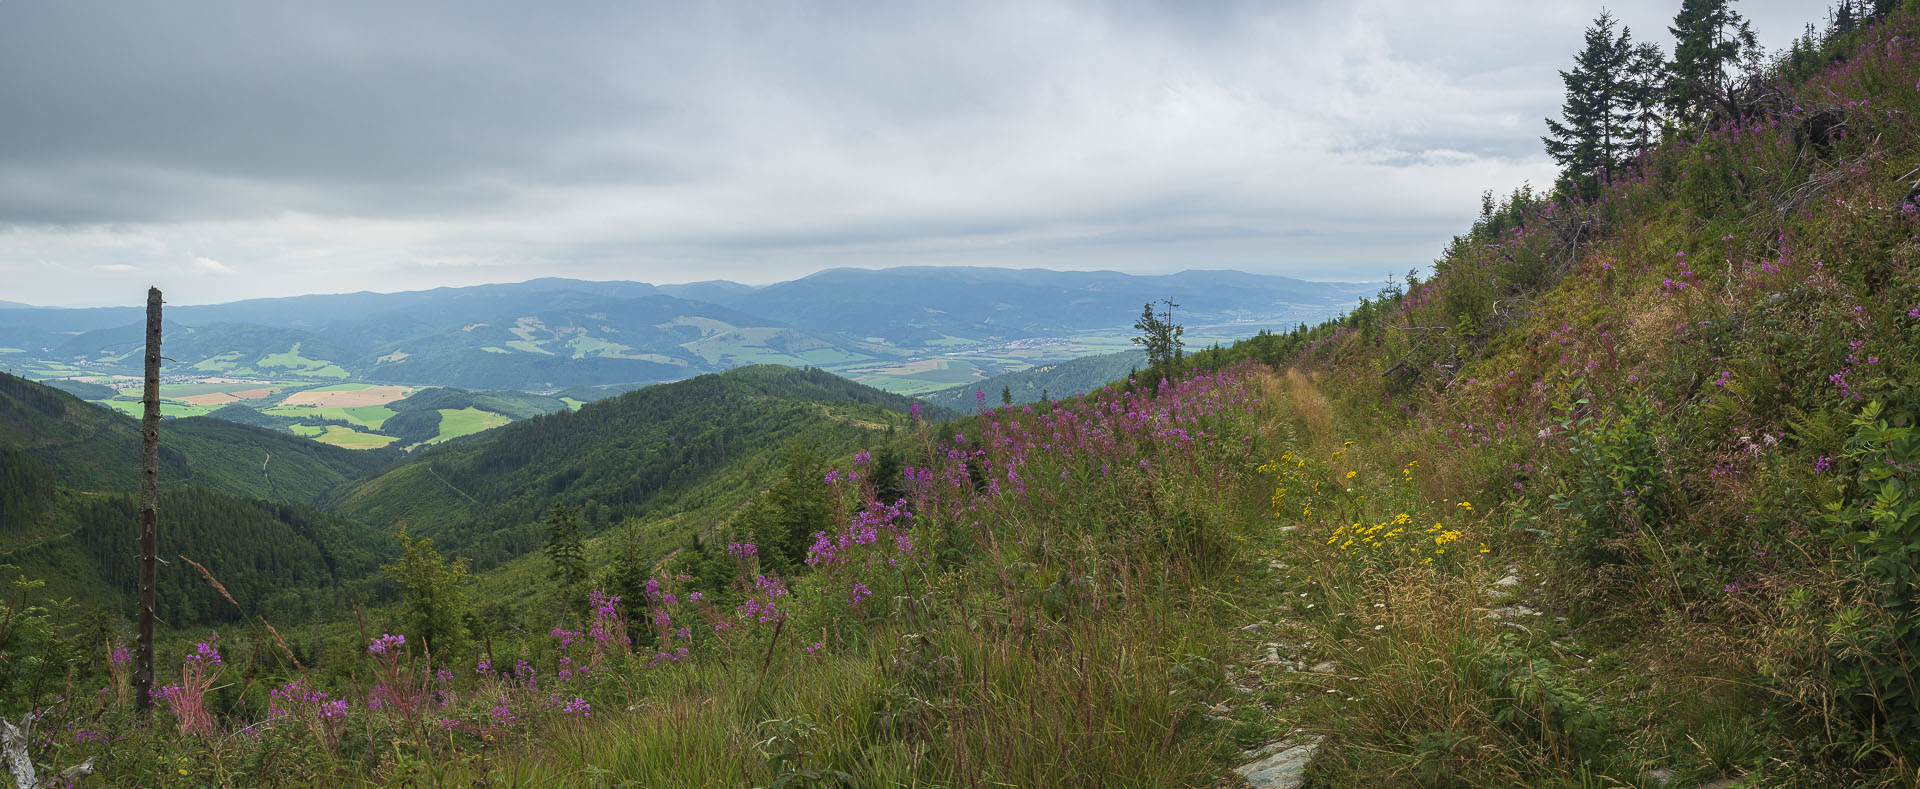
(1608, 111)
(1159, 335)
(1711, 41)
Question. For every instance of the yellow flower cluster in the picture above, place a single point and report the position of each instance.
(1375, 536)
(1299, 490)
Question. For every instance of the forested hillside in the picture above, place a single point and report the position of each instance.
(639, 453)
(91, 448)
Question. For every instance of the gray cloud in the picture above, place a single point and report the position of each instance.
(354, 144)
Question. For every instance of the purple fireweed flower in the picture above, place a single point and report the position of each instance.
(390, 641)
(205, 652)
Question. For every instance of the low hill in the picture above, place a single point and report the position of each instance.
(642, 452)
(92, 448)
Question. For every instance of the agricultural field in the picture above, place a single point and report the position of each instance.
(348, 438)
(168, 408)
(347, 396)
(295, 364)
(925, 375)
(457, 422)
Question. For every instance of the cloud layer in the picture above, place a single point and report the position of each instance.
(225, 150)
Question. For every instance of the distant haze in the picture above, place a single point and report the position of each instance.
(229, 150)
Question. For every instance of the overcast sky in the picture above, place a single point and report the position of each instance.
(226, 150)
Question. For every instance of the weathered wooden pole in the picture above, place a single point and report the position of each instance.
(149, 508)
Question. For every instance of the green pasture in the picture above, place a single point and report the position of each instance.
(298, 365)
(457, 422)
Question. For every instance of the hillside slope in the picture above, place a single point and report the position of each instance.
(630, 455)
(1683, 416)
(233, 498)
(91, 448)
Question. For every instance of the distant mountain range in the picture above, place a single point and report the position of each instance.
(548, 334)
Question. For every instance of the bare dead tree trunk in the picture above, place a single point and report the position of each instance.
(13, 749)
(149, 508)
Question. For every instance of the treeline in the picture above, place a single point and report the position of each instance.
(1623, 98)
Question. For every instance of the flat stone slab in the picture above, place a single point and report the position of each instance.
(1283, 767)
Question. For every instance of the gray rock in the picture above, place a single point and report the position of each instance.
(1508, 581)
(1280, 765)
(1323, 667)
(1517, 609)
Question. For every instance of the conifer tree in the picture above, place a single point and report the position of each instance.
(1646, 97)
(1710, 41)
(1593, 132)
(1159, 335)
(436, 607)
(568, 555)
